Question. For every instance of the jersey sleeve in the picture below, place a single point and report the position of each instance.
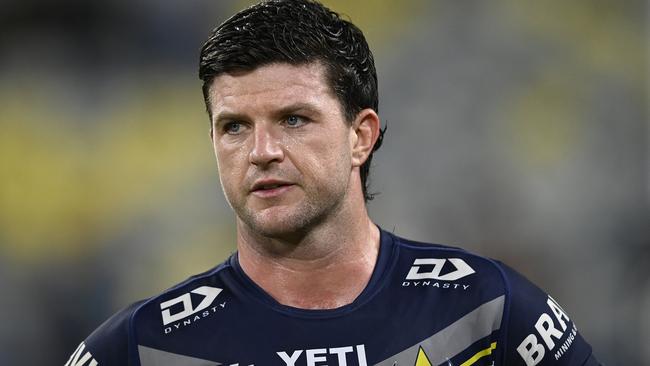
(539, 331)
(108, 345)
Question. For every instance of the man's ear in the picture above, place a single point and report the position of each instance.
(364, 134)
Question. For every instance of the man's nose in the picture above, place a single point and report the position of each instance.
(266, 147)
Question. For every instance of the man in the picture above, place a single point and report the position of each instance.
(291, 92)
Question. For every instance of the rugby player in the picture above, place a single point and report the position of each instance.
(291, 93)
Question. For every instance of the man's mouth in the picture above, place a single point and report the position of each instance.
(270, 188)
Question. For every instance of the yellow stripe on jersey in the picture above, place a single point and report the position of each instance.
(480, 354)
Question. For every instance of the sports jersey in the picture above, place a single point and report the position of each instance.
(424, 305)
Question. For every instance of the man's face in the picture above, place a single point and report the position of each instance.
(283, 146)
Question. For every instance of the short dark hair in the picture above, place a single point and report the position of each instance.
(297, 32)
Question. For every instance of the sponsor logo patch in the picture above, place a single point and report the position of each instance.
(336, 356)
(175, 316)
(428, 272)
(332, 356)
(547, 336)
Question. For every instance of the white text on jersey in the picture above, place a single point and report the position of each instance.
(532, 351)
(318, 356)
(78, 360)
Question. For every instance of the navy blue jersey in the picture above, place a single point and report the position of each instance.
(425, 304)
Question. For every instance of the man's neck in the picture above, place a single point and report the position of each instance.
(329, 268)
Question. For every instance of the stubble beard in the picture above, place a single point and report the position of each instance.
(295, 221)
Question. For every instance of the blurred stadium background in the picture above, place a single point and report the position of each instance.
(516, 129)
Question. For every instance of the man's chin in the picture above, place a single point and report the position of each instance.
(279, 222)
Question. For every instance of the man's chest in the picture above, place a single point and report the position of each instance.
(387, 331)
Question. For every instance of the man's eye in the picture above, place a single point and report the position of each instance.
(232, 128)
(295, 121)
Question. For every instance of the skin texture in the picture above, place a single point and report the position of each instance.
(289, 167)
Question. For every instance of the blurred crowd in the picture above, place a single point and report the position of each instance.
(518, 130)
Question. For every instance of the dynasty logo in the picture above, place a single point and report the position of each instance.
(186, 311)
(428, 272)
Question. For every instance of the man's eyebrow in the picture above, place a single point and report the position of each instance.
(298, 108)
(306, 108)
(228, 116)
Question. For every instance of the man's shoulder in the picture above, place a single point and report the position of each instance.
(109, 342)
(432, 261)
(533, 327)
(114, 340)
(429, 261)
(176, 301)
